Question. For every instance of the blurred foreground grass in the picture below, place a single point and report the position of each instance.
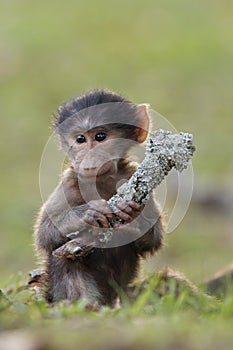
(176, 55)
(191, 321)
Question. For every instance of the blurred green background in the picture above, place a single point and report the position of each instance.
(176, 55)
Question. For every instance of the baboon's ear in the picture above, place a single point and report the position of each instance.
(143, 121)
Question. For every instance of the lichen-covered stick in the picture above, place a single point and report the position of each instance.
(164, 151)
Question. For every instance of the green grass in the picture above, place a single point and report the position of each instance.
(176, 55)
(194, 321)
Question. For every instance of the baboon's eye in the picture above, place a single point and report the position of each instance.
(100, 136)
(80, 138)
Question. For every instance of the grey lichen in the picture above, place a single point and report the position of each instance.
(164, 151)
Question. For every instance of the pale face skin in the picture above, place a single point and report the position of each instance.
(91, 152)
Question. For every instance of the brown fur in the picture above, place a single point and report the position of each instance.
(98, 276)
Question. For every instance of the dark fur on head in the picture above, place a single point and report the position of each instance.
(92, 98)
(87, 112)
